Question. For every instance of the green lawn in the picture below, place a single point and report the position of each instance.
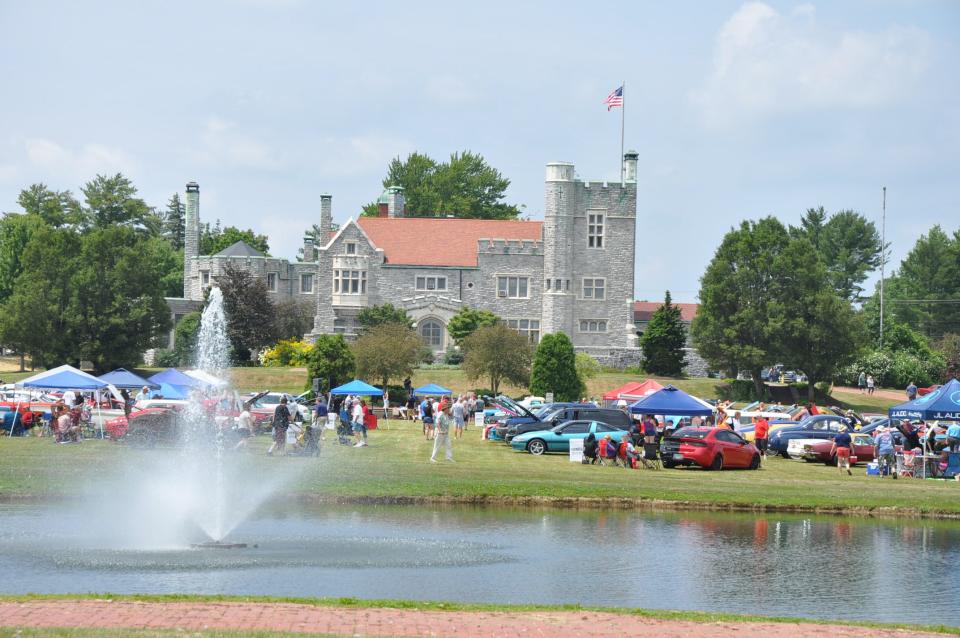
(396, 465)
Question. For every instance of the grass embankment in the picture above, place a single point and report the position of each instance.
(396, 467)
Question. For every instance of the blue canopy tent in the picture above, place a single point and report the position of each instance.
(673, 402)
(943, 404)
(65, 377)
(123, 378)
(170, 391)
(432, 389)
(175, 377)
(359, 388)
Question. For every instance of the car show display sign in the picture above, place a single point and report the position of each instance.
(576, 450)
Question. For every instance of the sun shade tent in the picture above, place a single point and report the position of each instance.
(205, 378)
(169, 391)
(63, 378)
(673, 402)
(175, 377)
(358, 387)
(432, 389)
(943, 404)
(123, 378)
(633, 391)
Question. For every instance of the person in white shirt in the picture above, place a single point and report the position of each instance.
(143, 395)
(356, 418)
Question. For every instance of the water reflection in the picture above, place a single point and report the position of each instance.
(776, 565)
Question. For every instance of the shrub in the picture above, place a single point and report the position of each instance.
(165, 358)
(738, 390)
(286, 353)
(453, 357)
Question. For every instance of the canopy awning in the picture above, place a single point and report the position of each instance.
(358, 387)
(943, 404)
(64, 377)
(432, 389)
(123, 378)
(673, 402)
(170, 391)
(633, 390)
(206, 378)
(175, 377)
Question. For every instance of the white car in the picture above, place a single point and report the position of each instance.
(271, 400)
(532, 402)
(796, 448)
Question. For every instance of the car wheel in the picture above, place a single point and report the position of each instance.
(755, 462)
(669, 464)
(717, 463)
(536, 447)
(831, 462)
(785, 455)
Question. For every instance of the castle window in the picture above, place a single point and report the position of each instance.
(431, 283)
(271, 282)
(529, 328)
(559, 285)
(513, 287)
(350, 248)
(594, 288)
(432, 332)
(204, 277)
(306, 283)
(593, 325)
(595, 230)
(349, 282)
(339, 326)
(546, 282)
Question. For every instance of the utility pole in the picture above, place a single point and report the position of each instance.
(883, 258)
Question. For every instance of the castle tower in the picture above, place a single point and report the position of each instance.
(191, 236)
(558, 248)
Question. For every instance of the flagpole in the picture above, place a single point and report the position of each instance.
(623, 118)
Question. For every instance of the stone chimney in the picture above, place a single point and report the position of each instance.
(309, 254)
(326, 220)
(630, 166)
(396, 204)
(191, 235)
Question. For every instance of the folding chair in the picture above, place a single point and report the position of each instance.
(907, 465)
(651, 456)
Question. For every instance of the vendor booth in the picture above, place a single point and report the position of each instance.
(631, 392)
(671, 401)
(361, 389)
(123, 378)
(67, 378)
(943, 404)
(432, 390)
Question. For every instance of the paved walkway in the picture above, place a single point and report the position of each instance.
(353, 621)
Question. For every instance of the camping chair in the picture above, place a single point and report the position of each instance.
(605, 456)
(651, 456)
(907, 465)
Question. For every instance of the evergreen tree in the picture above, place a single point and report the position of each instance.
(555, 369)
(248, 310)
(174, 223)
(663, 341)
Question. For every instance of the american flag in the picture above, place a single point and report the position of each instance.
(615, 98)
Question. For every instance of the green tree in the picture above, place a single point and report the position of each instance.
(388, 351)
(292, 319)
(185, 338)
(497, 353)
(732, 327)
(587, 366)
(373, 316)
(331, 361)
(15, 234)
(248, 311)
(56, 208)
(555, 369)
(663, 341)
(465, 186)
(174, 222)
(213, 240)
(467, 320)
(112, 200)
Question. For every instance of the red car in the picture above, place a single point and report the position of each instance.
(925, 391)
(819, 451)
(711, 448)
(147, 426)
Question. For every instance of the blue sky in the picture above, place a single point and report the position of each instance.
(738, 110)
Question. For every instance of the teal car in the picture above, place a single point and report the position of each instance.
(558, 439)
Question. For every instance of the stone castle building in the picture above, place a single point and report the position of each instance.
(573, 272)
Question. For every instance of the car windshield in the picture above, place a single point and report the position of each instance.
(692, 433)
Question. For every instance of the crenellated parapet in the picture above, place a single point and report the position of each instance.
(509, 247)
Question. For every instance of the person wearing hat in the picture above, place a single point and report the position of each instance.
(885, 452)
(843, 448)
(441, 437)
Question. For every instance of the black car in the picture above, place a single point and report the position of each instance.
(578, 412)
(528, 416)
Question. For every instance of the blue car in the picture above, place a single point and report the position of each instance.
(821, 426)
(557, 439)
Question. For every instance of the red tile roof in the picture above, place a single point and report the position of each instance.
(643, 310)
(439, 241)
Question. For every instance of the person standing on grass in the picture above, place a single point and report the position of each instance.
(320, 416)
(459, 410)
(761, 429)
(426, 415)
(281, 421)
(356, 419)
(843, 448)
(862, 382)
(871, 384)
(885, 452)
(441, 437)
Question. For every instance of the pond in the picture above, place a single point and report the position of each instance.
(893, 571)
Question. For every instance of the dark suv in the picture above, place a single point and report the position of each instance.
(579, 412)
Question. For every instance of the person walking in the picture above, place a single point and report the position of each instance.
(843, 448)
(871, 384)
(885, 452)
(862, 382)
(761, 429)
(911, 391)
(281, 421)
(459, 412)
(426, 416)
(320, 412)
(441, 436)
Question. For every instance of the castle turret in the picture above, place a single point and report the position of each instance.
(558, 293)
(191, 235)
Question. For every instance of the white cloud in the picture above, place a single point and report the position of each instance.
(89, 160)
(767, 62)
(223, 144)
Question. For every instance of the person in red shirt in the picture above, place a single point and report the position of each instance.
(761, 428)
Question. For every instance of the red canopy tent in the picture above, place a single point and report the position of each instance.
(633, 391)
